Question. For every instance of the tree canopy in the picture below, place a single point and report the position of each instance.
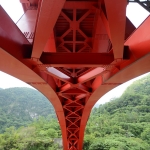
(20, 106)
(121, 124)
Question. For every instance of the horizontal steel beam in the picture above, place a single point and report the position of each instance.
(79, 4)
(77, 59)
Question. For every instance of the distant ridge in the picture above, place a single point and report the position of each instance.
(19, 106)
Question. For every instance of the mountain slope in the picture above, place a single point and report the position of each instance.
(19, 106)
(123, 123)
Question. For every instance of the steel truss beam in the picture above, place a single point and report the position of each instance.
(71, 60)
(145, 4)
(76, 59)
(48, 13)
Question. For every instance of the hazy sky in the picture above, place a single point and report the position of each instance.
(13, 8)
(134, 12)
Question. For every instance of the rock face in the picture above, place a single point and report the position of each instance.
(59, 142)
(19, 106)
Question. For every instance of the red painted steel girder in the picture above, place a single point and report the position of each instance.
(76, 59)
(73, 52)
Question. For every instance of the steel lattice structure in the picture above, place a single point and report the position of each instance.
(144, 3)
(74, 51)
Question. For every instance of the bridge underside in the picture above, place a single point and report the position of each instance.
(74, 52)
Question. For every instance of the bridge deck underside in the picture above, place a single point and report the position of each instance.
(73, 52)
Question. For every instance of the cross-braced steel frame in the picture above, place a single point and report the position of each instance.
(74, 52)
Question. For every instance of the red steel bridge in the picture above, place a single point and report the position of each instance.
(74, 51)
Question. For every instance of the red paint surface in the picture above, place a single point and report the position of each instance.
(73, 52)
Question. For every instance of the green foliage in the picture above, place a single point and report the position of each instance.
(123, 123)
(118, 142)
(37, 136)
(19, 106)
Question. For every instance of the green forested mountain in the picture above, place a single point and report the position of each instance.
(19, 106)
(121, 124)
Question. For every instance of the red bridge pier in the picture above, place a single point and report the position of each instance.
(74, 52)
